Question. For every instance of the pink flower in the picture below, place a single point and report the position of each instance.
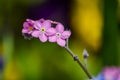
(60, 35)
(111, 73)
(118, 76)
(43, 29)
(28, 26)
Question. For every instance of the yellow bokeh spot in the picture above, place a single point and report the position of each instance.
(12, 72)
(87, 22)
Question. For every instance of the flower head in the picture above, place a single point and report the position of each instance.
(28, 26)
(60, 35)
(42, 30)
(109, 73)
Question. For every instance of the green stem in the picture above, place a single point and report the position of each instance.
(75, 57)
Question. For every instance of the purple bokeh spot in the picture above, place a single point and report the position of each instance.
(57, 10)
(1, 64)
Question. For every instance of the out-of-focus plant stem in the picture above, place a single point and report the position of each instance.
(75, 57)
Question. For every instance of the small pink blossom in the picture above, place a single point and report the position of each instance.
(42, 30)
(111, 73)
(28, 26)
(60, 35)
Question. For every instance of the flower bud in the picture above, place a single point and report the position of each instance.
(85, 54)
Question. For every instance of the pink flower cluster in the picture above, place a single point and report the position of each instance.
(43, 30)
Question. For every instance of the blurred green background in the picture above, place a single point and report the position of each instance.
(95, 25)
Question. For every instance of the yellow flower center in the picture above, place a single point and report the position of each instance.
(30, 28)
(42, 30)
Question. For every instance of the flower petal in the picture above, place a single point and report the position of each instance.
(29, 32)
(41, 20)
(61, 42)
(66, 34)
(99, 77)
(37, 25)
(50, 31)
(36, 34)
(43, 38)
(30, 22)
(25, 25)
(24, 31)
(46, 24)
(52, 39)
(60, 27)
